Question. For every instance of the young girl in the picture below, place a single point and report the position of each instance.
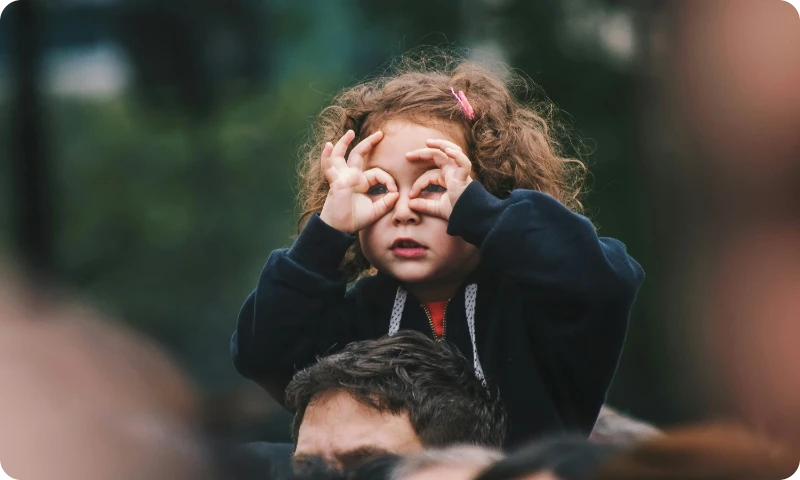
(450, 203)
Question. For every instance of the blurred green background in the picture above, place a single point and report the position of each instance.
(172, 134)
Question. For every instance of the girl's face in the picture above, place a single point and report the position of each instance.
(410, 246)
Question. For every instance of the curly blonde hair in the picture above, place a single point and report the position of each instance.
(512, 144)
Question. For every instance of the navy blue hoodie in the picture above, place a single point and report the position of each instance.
(551, 315)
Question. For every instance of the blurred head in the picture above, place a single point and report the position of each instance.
(461, 462)
(746, 126)
(567, 457)
(511, 145)
(617, 429)
(394, 395)
(86, 399)
(732, 92)
(703, 453)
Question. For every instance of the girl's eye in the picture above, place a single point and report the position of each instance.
(434, 188)
(377, 189)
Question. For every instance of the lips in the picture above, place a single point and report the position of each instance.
(408, 248)
(406, 243)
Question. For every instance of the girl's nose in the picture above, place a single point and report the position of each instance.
(402, 214)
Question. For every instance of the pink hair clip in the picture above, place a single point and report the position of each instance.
(469, 112)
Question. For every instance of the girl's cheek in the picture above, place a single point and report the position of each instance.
(366, 248)
(367, 237)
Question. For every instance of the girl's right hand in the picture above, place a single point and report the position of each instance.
(356, 198)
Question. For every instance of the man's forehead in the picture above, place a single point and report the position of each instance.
(346, 421)
(329, 406)
(337, 425)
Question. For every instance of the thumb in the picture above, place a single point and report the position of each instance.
(382, 206)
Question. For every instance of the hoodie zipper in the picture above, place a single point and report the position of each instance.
(433, 327)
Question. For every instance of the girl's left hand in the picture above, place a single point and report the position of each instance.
(437, 191)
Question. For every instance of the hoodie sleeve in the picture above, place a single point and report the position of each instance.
(297, 311)
(583, 284)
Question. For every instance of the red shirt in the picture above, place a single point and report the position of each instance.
(436, 309)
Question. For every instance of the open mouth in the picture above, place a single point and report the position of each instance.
(406, 243)
(408, 248)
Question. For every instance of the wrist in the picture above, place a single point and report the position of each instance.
(458, 192)
(320, 247)
(475, 214)
(330, 218)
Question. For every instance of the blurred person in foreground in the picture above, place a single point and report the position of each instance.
(560, 457)
(461, 462)
(734, 72)
(86, 399)
(396, 395)
(719, 452)
(615, 428)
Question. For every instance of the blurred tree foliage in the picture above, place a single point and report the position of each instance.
(167, 222)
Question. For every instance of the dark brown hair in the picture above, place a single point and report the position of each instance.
(511, 144)
(716, 452)
(407, 373)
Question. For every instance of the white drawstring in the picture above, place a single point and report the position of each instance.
(397, 310)
(470, 296)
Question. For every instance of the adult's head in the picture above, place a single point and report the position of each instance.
(86, 399)
(717, 452)
(395, 395)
